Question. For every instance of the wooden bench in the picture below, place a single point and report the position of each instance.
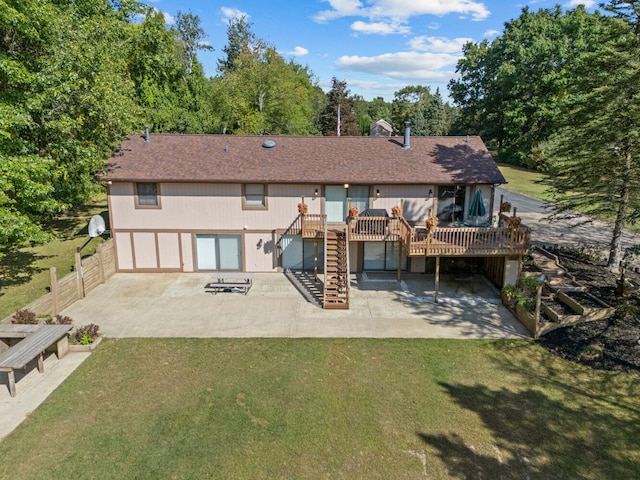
(230, 282)
(35, 340)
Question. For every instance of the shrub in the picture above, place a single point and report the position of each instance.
(531, 282)
(86, 334)
(24, 317)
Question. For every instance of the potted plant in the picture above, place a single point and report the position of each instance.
(514, 222)
(505, 207)
(303, 208)
(396, 212)
(353, 212)
(432, 222)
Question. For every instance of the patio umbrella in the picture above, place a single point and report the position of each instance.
(477, 206)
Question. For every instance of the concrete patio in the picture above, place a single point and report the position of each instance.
(176, 305)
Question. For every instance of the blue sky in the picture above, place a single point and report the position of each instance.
(376, 46)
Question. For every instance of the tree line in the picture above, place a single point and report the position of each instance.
(559, 91)
(78, 76)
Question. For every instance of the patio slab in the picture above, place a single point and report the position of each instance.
(176, 305)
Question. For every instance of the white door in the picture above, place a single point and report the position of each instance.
(230, 252)
(335, 203)
(206, 252)
(358, 196)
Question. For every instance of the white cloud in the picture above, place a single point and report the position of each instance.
(229, 13)
(298, 52)
(401, 9)
(439, 44)
(408, 66)
(586, 3)
(433, 26)
(380, 28)
(491, 33)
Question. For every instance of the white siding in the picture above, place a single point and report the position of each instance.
(260, 252)
(169, 251)
(145, 250)
(125, 252)
(187, 252)
(210, 207)
(415, 197)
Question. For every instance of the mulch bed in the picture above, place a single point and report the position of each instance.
(610, 344)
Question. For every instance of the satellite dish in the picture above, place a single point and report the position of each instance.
(96, 226)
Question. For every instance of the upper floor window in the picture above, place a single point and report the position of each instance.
(147, 195)
(254, 195)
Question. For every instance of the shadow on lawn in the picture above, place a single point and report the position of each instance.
(586, 428)
(75, 222)
(18, 266)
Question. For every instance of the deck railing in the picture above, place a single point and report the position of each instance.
(444, 241)
(312, 225)
(453, 241)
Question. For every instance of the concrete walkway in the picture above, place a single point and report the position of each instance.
(33, 387)
(176, 305)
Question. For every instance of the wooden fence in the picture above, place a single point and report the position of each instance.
(88, 274)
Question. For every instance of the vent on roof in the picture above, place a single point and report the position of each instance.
(268, 144)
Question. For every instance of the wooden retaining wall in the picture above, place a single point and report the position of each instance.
(88, 274)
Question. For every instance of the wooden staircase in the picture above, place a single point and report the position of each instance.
(336, 272)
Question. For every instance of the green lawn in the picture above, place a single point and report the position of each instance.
(330, 408)
(24, 272)
(524, 181)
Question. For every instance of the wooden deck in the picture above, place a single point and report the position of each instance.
(444, 241)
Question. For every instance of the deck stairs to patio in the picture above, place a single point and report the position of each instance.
(336, 287)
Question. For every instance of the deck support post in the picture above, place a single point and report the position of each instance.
(437, 278)
(399, 260)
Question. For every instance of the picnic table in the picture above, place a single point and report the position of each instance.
(35, 340)
(230, 282)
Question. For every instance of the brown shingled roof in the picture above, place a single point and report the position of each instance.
(241, 159)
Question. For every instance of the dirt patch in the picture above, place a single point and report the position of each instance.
(610, 344)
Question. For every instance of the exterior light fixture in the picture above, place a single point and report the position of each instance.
(430, 193)
(346, 185)
(378, 192)
(315, 193)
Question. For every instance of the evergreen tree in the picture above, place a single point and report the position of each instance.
(594, 160)
(339, 100)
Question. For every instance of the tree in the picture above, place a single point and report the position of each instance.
(240, 40)
(191, 35)
(258, 91)
(594, 162)
(66, 102)
(511, 90)
(339, 102)
(426, 111)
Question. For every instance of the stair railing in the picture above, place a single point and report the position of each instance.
(346, 248)
(324, 290)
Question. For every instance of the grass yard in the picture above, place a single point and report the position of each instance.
(330, 408)
(524, 181)
(24, 272)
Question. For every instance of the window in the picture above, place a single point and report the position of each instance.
(254, 196)
(147, 195)
(219, 252)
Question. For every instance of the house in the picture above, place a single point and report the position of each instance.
(380, 128)
(265, 204)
